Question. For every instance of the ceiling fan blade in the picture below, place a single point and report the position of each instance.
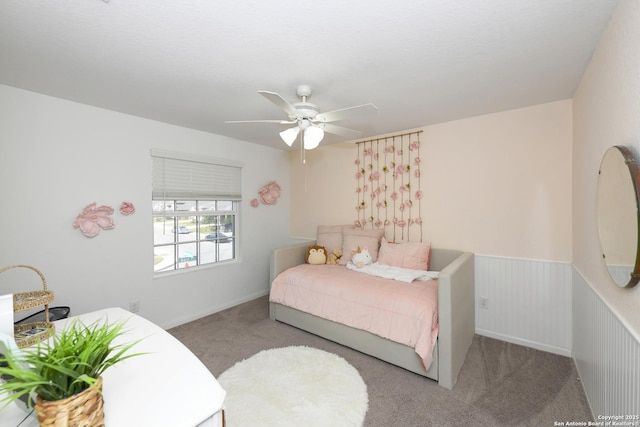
(280, 122)
(346, 113)
(280, 102)
(339, 130)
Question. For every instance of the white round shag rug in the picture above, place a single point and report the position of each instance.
(294, 386)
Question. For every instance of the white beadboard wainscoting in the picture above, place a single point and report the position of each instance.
(528, 302)
(607, 356)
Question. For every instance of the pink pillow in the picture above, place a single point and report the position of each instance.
(413, 255)
(330, 236)
(352, 238)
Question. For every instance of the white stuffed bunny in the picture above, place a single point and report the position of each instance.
(361, 257)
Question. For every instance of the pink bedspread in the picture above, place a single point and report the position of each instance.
(406, 313)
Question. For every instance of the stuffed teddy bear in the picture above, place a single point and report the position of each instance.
(332, 258)
(316, 255)
(361, 257)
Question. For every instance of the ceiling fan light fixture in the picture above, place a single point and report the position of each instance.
(311, 124)
(289, 136)
(312, 137)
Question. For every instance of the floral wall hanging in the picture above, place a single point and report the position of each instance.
(388, 185)
(269, 194)
(127, 208)
(93, 218)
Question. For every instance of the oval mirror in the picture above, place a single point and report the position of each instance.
(618, 215)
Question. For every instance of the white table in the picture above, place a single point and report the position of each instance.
(167, 387)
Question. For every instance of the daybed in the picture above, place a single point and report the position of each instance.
(455, 313)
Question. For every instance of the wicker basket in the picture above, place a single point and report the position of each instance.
(34, 332)
(85, 409)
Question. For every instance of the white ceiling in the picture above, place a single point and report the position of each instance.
(198, 63)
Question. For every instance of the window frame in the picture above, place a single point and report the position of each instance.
(170, 221)
(202, 183)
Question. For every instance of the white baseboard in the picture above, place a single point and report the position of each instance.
(526, 343)
(214, 310)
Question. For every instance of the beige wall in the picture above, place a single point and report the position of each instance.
(606, 113)
(498, 184)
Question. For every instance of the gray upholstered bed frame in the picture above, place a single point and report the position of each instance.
(456, 316)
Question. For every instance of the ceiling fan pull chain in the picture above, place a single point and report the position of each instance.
(303, 155)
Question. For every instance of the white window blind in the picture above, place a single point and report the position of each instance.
(178, 176)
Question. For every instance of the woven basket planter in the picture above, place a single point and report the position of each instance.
(84, 409)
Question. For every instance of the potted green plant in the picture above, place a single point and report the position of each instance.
(63, 375)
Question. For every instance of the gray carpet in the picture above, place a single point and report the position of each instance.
(501, 384)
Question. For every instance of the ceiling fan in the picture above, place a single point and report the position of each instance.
(307, 118)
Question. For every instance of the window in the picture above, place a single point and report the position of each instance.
(195, 210)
